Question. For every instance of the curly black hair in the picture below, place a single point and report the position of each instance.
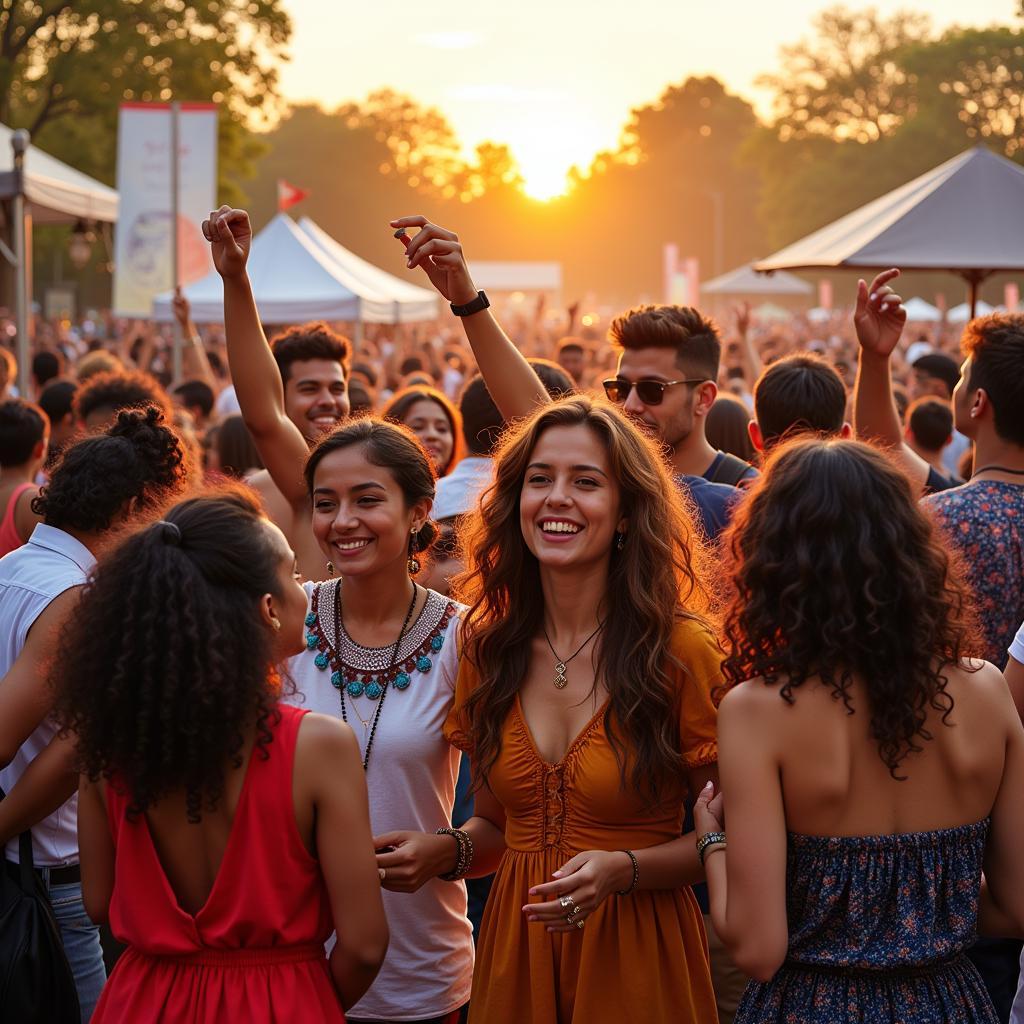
(166, 663)
(124, 389)
(136, 458)
(838, 574)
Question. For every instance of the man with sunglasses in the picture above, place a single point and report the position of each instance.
(666, 380)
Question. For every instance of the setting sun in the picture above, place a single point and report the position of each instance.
(542, 179)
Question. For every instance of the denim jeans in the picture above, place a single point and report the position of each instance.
(81, 940)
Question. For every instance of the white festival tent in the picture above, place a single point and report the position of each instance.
(300, 273)
(921, 312)
(962, 313)
(56, 193)
(747, 281)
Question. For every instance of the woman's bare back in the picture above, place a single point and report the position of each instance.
(834, 781)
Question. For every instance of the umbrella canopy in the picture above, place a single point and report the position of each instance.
(55, 192)
(747, 281)
(296, 278)
(921, 312)
(962, 313)
(965, 216)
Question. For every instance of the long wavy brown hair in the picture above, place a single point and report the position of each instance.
(838, 574)
(653, 582)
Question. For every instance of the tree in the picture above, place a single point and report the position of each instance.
(846, 83)
(424, 149)
(969, 84)
(65, 67)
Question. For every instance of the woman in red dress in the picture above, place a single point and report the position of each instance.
(223, 835)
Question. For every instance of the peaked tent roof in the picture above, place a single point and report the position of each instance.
(294, 279)
(386, 299)
(921, 312)
(962, 313)
(965, 216)
(57, 193)
(747, 281)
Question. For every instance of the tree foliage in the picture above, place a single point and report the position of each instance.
(847, 81)
(65, 67)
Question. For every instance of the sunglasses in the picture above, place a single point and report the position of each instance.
(650, 392)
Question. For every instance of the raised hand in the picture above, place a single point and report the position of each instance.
(182, 308)
(741, 311)
(230, 236)
(879, 317)
(440, 255)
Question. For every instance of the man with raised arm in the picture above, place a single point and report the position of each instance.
(291, 391)
(879, 319)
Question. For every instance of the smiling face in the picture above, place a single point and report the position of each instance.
(360, 517)
(316, 396)
(427, 420)
(569, 507)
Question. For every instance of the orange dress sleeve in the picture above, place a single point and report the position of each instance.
(456, 726)
(695, 647)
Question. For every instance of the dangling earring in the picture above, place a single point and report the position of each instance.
(413, 565)
(620, 541)
(330, 568)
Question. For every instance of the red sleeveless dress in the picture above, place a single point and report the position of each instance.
(255, 950)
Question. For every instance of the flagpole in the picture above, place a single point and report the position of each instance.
(176, 365)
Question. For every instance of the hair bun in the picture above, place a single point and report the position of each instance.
(169, 532)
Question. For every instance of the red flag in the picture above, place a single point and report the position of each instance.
(288, 195)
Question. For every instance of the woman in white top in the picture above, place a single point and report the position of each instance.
(381, 651)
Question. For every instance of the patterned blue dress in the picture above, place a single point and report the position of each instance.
(878, 926)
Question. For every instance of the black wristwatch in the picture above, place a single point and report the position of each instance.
(480, 302)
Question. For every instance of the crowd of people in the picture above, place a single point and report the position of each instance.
(518, 676)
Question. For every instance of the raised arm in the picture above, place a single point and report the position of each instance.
(752, 362)
(513, 385)
(879, 320)
(253, 369)
(195, 364)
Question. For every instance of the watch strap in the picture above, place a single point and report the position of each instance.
(473, 306)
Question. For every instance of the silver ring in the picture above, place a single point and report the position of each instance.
(567, 902)
(383, 872)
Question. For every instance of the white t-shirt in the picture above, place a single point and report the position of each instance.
(30, 578)
(411, 779)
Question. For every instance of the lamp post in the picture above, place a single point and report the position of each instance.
(20, 227)
(80, 244)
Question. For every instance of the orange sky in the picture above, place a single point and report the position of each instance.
(555, 79)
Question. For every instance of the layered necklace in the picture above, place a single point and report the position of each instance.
(358, 671)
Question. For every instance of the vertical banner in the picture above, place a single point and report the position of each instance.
(1011, 296)
(670, 267)
(825, 297)
(144, 243)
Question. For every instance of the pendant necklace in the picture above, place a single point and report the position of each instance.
(371, 724)
(560, 680)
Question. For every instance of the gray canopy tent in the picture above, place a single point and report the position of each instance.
(965, 217)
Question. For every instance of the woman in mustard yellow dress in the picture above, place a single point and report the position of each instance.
(585, 702)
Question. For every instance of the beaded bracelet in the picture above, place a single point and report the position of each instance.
(636, 874)
(709, 839)
(464, 859)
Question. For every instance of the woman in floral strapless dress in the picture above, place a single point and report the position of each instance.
(869, 768)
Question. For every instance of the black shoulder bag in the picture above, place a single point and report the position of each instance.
(36, 983)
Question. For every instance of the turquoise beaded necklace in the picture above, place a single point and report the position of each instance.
(360, 681)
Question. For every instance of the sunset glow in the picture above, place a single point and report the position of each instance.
(554, 81)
